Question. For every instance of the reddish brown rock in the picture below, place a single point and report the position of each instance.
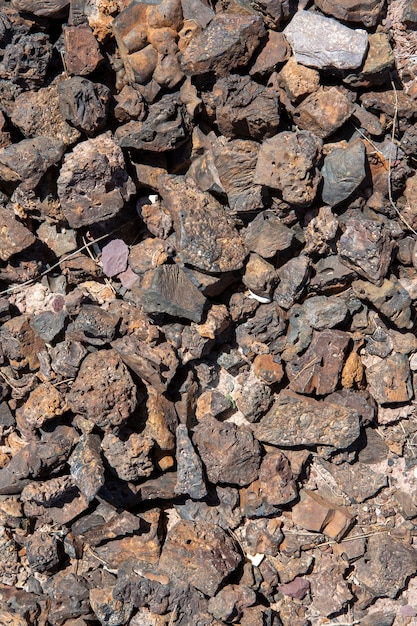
(390, 380)
(275, 51)
(297, 81)
(260, 276)
(129, 454)
(365, 11)
(268, 368)
(147, 255)
(276, 480)
(323, 112)
(44, 404)
(390, 299)
(82, 53)
(317, 514)
(329, 588)
(14, 236)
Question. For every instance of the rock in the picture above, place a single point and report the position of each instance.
(365, 247)
(325, 312)
(28, 160)
(298, 81)
(229, 603)
(262, 333)
(104, 605)
(268, 368)
(114, 257)
(229, 452)
(253, 398)
(366, 11)
(390, 380)
(190, 479)
(294, 276)
(44, 404)
(318, 370)
(387, 564)
(42, 551)
(267, 235)
(86, 466)
(68, 595)
(206, 237)
(44, 8)
(14, 236)
(92, 325)
(317, 514)
(329, 589)
(300, 421)
(55, 501)
(390, 102)
(228, 42)
(103, 390)
(82, 53)
(211, 402)
(288, 163)
(20, 344)
(343, 171)
(260, 276)
(26, 59)
(93, 184)
(9, 558)
(378, 62)
(323, 112)
(202, 555)
(274, 51)
(324, 43)
(390, 299)
(320, 232)
(276, 480)
(66, 357)
(245, 108)
(358, 481)
(297, 588)
(84, 104)
(129, 105)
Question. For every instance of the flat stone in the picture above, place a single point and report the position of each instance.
(202, 555)
(14, 236)
(325, 312)
(114, 257)
(294, 276)
(104, 604)
(288, 163)
(343, 171)
(86, 465)
(365, 11)
(390, 299)
(365, 247)
(323, 112)
(390, 380)
(300, 421)
(228, 42)
(190, 478)
(324, 43)
(267, 235)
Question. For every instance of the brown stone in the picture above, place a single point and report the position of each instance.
(317, 514)
(260, 276)
(379, 60)
(298, 81)
(268, 368)
(390, 380)
(276, 479)
(147, 255)
(86, 465)
(329, 589)
(365, 11)
(323, 112)
(129, 455)
(275, 51)
(390, 299)
(44, 404)
(82, 53)
(14, 236)
(267, 235)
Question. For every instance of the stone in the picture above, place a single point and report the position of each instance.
(205, 235)
(330, 592)
(93, 184)
(358, 481)
(288, 162)
(86, 466)
(129, 105)
(323, 112)
(114, 257)
(300, 421)
(211, 402)
(55, 501)
(202, 555)
(104, 605)
(298, 81)
(229, 453)
(390, 299)
(267, 235)
(26, 59)
(103, 391)
(274, 51)
(315, 513)
(81, 50)
(378, 62)
(245, 108)
(325, 312)
(268, 368)
(390, 380)
(68, 597)
(319, 368)
(343, 172)
(228, 42)
(386, 566)
(390, 102)
(229, 603)
(253, 398)
(9, 558)
(28, 160)
(297, 588)
(44, 404)
(365, 247)
(190, 479)
(44, 8)
(324, 43)
(276, 480)
(294, 276)
(42, 551)
(66, 357)
(260, 276)
(84, 104)
(129, 455)
(262, 333)
(320, 232)
(365, 11)
(14, 236)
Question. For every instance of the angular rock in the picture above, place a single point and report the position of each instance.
(358, 481)
(260, 276)
(390, 102)
(206, 237)
(103, 391)
(299, 421)
(365, 11)
(44, 8)
(202, 555)
(86, 466)
(129, 455)
(27, 161)
(229, 603)
(288, 163)
(390, 380)
(329, 589)
(190, 479)
(323, 112)
(343, 171)
(56, 500)
(84, 104)
(82, 52)
(298, 81)
(324, 43)
(44, 404)
(365, 247)
(261, 333)
(320, 232)
(318, 370)
(26, 59)
(66, 357)
(229, 452)
(93, 325)
(42, 551)
(267, 235)
(114, 257)
(104, 604)
(129, 105)
(253, 398)
(294, 276)
(390, 299)
(14, 236)
(276, 480)
(228, 42)
(274, 51)
(317, 514)
(93, 184)
(325, 312)
(378, 62)
(268, 368)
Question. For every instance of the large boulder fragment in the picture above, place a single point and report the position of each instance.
(200, 554)
(324, 43)
(27, 161)
(343, 171)
(365, 11)
(228, 42)
(206, 237)
(299, 421)
(14, 236)
(288, 162)
(93, 184)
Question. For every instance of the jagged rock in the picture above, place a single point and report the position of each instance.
(82, 52)
(343, 171)
(27, 161)
(323, 112)
(358, 481)
(228, 42)
(365, 11)
(86, 465)
(276, 480)
(288, 162)
(26, 59)
(267, 235)
(114, 257)
(298, 81)
(66, 357)
(324, 43)
(268, 368)
(56, 501)
(42, 551)
(329, 589)
(378, 62)
(92, 325)
(316, 513)
(129, 105)
(229, 603)
(44, 404)
(44, 8)
(93, 184)
(262, 332)
(190, 478)
(390, 299)
(390, 380)
(260, 276)
(293, 276)
(84, 104)
(253, 398)
(14, 236)
(325, 312)
(274, 51)
(104, 604)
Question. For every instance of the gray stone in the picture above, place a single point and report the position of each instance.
(324, 43)
(343, 171)
(365, 11)
(267, 235)
(294, 276)
(84, 104)
(86, 465)
(26, 161)
(390, 380)
(325, 312)
(390, 299)
(190, 478)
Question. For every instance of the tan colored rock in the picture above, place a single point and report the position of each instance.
(323, 112)
(268, 368)
(317, 514)
(44, 404)
(275, 51)
(82, 53)
(298, 81)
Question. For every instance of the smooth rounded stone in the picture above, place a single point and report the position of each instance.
(365, 11)
(343, 171)
(324, 43)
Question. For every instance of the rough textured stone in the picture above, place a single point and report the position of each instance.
(104, 605)
(324, 43)
(14, 236)
(27, 161)
(84, 104)
(316, 513)
(378, 62)
(329, 588)
(86, 465)
(365, 11)
(343, 171)
(267, 235)
(390, 299)
(44, 404)
(274, 51)
(294, 276)
(82, 53)
(390, 380)
(276, 480)
(358, 481)
(325, 312)
(229, 603)
(323, 112)
(44, 8)
(190, 478)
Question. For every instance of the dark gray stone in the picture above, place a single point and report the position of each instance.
(190, 479)
(343, 171)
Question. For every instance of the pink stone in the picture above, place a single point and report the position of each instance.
(114, 257)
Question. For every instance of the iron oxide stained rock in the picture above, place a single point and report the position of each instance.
(318, 370)
(288, 162)
(325, 312)
(275, 51)
(260, 276)
(26, 59)
(358, 481)
(390, 299)
(343, 171)
(262, 333)
(298, 81)
(205, 236)
(267, 235)
(268, 368)
(201, 554)
(320, 232)
(14, 236)
(323, 112)
(190, 479)
(294, 276)
(324, 43)
(386, 566)
(86, 466)
(300, 421)
(82, 52)
(253, 398)
(129, 105)
(230, 453)
(27, 161)
(92, 325)
(84, 104)
(103, 391)
(228, 42)
(276, 480)
(43, 8)
(93, 184)
(43, 404)
(390, 380)
(231, 601)
(57, 499)
(366, 248)
(316, 513)
(104, 604)
(365, 11)
(129, 455)
(245, 108)
(42, 551)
